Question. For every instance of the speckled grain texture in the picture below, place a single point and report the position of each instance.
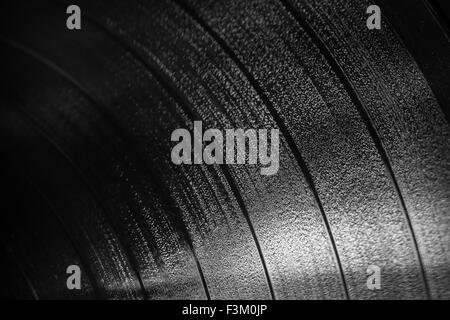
(86, 119)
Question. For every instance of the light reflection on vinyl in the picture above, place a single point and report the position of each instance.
(86, 118)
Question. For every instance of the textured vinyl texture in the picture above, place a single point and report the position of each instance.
(86, 118)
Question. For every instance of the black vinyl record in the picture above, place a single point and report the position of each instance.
(357, 205)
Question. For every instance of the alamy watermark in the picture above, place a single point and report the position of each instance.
(233, 146)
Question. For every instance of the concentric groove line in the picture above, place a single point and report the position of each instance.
(166, 84)
(46, 136)
(30, 285)
(192, 114)
(363, 113)
(246, 215)
(439, 15)
(184, 232)
(172, 91)
(51, 66)
(281, 125)
(99, 293)
(154, 73)
(401, 39)
(160, 79)
(443, 22)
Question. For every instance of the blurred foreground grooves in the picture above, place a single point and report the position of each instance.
(85, 123)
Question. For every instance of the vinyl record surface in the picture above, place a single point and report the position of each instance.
(362, 183)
